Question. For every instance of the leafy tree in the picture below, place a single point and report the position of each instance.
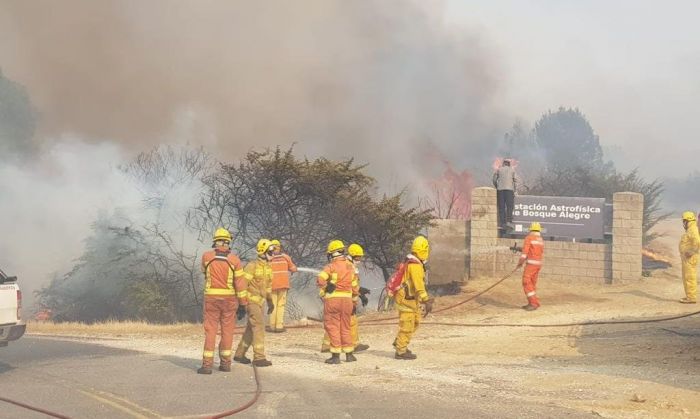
(306, 203)
(384, 227)
(17, 120)
(567, 140)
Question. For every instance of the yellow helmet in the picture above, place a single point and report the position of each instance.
(356, 251)
(535, 226)
(222, 234)
(335, 246)
(689, 216)
(275, 242)
(263, 246)
(421, 248)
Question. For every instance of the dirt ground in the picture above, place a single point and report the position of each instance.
(647, 370)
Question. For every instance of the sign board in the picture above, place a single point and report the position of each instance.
(560, 216)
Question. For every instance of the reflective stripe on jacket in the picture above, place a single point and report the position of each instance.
(223, 275)
(259, 279)
(413, 289)
(533, 248)
(340, 272)
(281, 265)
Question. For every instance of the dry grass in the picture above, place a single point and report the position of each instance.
(116, 329)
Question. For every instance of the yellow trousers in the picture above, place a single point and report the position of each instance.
(689, 268)
(408, 323)
(276, 318)
(254, 333)
(326, 343)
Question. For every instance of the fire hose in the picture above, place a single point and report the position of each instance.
(385, 321)
(36, 409)
(258, 390)
(256, 396)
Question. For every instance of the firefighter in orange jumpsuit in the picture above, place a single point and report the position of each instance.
(411, 296)
(533, 250)
(339, 289)
(282, 265)
(355, 255)
(225, 294)
(259, 277)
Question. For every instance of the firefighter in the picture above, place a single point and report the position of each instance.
(355, 255)
(225, 294)
(339, 288)
(259, 277)
(533, 249)
(410, 295)
(689, 247)
(282, 265)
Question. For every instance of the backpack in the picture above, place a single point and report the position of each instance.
(395, 282)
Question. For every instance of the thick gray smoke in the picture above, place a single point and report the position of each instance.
(372, 79)
(386, 82)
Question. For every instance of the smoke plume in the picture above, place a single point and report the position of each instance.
(373, 79)
(386, 82)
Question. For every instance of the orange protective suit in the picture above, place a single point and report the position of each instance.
(281, 265)
(533, 251)
(224, 290)
(338, 305)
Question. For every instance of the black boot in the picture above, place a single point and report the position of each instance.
(262, 363)
(361, 347)
(204, 370)
(349, 357)
(334, 359)
(242, 359)
(408, 355)
(225, 367)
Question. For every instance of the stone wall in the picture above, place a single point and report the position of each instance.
(486, 255)
(449, 244)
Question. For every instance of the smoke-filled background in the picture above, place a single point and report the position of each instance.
(404, 86)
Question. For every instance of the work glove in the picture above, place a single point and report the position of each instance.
(428, 305)
(364, 300)
(330, 287)
(270, 306)
(240, 313)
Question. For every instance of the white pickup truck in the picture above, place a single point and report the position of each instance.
(11, 325)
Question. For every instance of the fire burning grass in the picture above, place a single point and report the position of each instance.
(115, 329)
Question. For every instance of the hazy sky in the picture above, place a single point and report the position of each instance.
(633, 67)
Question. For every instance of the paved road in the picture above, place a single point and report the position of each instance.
(93, 381)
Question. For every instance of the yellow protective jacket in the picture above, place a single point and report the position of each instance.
(413, 290)
(259, 279)
(690, 242)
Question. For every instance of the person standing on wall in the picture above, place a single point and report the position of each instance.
(506, 183)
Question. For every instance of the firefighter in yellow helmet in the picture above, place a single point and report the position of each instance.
(689, 248)
(355, 255)
(282, 265)
(225, 294)
(409, 297)
(533, 251)
(339, 289)
(259, 277)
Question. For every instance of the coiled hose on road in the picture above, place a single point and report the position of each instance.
(386, 321)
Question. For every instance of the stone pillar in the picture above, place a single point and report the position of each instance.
(484, 232)
(628, 208)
